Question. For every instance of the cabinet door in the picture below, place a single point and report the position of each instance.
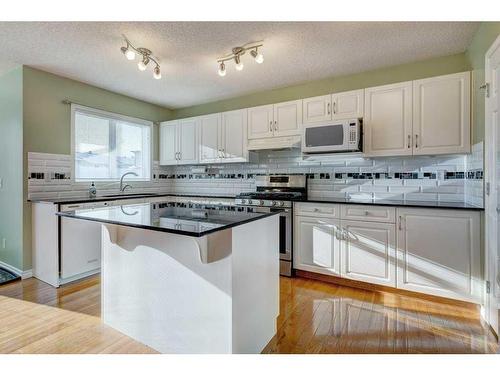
(168, 143)
(234, 136)
(441, 114)
(388, 120)
(348, 105)
(439, 252)
(260, 122)
(317, 109)
(317, 245)
(188, 141)
(287, 118)
(209, 138)
(369, 252)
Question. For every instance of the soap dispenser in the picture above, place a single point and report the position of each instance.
(92, 190)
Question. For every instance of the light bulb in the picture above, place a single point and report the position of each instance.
(239, 64)
(157, 72)
(142, 64)
(259, 57)
(222, 69)
(129, 54)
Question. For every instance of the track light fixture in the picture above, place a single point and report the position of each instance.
(145, 55)
(236, 54)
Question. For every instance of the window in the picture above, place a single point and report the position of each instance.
(107, 145)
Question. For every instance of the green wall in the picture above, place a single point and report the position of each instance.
(406, 72)
(11, 171)
(47, 123)
(484, 37)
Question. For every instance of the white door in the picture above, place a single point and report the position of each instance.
(369, 252)
(441, 115)
(388, 120)
(260, 122)
(317, 245)
(288, 118)
(348, 105)
(188, 141)
(317, 109)
(210, 149)
(492, 200)
(439, 253)
(168, 143)
(234, 136)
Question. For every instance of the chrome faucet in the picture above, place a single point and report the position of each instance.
(123, 187)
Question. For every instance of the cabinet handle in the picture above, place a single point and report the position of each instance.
(224, 153)
(416, 140)
(180, 155)
(275, 125)
(328, 108)
(399, 225)
(271, 126)
(334, 107)
(409, 141)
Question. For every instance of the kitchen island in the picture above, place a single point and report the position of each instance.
(189, 278)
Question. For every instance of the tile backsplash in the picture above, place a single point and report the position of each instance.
(429, 178)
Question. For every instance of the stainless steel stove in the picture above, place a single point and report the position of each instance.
(277, 193)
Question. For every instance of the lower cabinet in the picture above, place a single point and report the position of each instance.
(431, 251)
(317, 245)
(369, 252)
(439, 253)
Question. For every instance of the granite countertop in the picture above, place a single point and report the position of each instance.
(194, 221)
(74, 200)
(397, 203)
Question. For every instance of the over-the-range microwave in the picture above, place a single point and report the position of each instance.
(333, 136)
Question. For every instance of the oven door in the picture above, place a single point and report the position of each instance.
(285, 230)
(326, 137)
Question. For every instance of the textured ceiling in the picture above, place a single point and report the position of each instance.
(294, 52)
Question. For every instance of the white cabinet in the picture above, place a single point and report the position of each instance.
(210, 138)
(275, 120)
(179, 142)
(439, 253)
(317, 245)
(348, 105)
(369, 252)
(388, 120)
(441, 114)
(338, 106)
(317, 109)
(261, 122)
(223, 137)
(287, 118)
(234, 136)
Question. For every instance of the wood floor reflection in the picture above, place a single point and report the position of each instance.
(318, 317)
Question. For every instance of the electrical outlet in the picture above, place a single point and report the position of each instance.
(4, 243)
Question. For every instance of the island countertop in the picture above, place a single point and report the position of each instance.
(195, 221)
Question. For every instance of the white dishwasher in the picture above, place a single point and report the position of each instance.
(80, 244)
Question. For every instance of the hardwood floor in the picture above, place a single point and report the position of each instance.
(316, 317)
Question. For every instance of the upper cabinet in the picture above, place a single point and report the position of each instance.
(387, 124)
(425, 117)
(338, 106)
(223, 137)
(441, 114)
(179, 142)
(275, 120)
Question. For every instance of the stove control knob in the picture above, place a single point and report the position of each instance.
(282, 203)
(243, 201)
(274, 203)
(261, 202)
(249, 201)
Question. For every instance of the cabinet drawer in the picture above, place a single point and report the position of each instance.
(368, 213)
(317, 210)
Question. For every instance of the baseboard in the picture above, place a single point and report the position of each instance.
(23, 274)
(78, 277)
